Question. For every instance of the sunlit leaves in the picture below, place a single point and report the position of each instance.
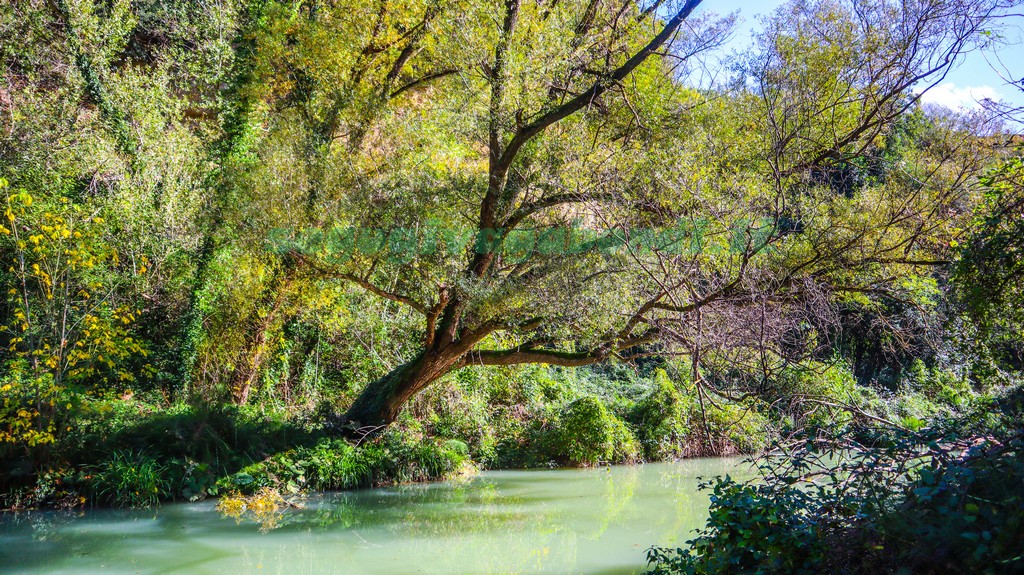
(66, 322)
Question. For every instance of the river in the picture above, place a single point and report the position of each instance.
(567, 521)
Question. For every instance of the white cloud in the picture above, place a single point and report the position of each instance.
(966, 98)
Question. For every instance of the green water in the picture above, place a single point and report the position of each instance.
(594, 521)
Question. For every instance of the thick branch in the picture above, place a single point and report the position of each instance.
(518, 355)
(365, 284)
(527, 132)
(423, 80)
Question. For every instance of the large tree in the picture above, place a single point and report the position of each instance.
(568, 113)
(719, 220)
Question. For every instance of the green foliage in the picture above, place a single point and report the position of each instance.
(534, 417)
(396, 456)
(989, 273)
(223, 436)
(466, 411)
(588, 434)
(152, 147)
(731, 428)
(838, 506)
(938, 384)
(752, 529)
(540, 417)
(192, 480)
(128, 479)
(963, 515)
(662, 420)
(671, 424)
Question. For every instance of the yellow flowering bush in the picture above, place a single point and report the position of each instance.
(26, 401)
(65, 328)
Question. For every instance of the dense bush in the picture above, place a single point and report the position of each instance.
(662, 420)
(835, 506)
(752, 528)
(938, 384)
(804, 391)
(396, 456)
(589, 434)
(731, 429)
(516, 418)
(671, 424)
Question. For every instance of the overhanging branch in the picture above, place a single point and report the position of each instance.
(519, 355)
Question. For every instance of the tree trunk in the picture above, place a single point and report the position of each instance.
(382, 400)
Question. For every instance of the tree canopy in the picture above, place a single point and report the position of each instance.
(199, 194)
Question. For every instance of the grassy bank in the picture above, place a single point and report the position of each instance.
(138, 451)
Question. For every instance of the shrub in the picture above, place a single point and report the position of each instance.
(836, 506)
(913, 411)
(808, 388)
(964, 514)
(196, 444)
(195, 480)
(938, 384)
(751, 529)
(462, 413)
(589, 434)
(733, 428)
(129, 479)
(395, 456)
(662, 420)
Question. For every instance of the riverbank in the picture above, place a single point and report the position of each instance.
(138, 451)
(945, 499)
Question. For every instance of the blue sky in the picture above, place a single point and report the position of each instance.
(974, 78)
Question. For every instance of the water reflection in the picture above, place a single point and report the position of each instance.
(596, 521)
